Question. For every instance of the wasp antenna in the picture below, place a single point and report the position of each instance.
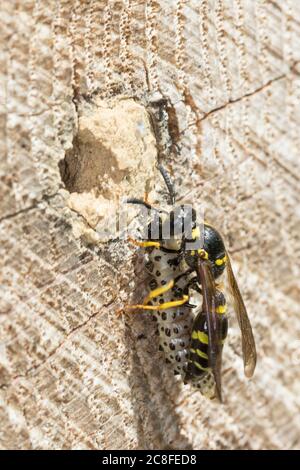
(139, 201)
(168, 182)
(143, 203)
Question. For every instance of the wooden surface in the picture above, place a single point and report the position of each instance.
(76, 79)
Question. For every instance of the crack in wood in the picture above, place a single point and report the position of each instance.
(37, 366)
(246, 95)
(45, 198)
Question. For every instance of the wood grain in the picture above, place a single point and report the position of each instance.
(72, 374)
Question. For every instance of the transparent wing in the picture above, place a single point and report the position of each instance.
(248, 343)
(213, 323)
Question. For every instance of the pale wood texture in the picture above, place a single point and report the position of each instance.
(73, 375)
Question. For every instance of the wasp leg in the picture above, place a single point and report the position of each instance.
(160, 290)
(186, 273)
(155, 293)
(144, 244)
(151, 243)
(164, 306)
(193, 284)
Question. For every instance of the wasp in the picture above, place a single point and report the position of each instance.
(191, 257)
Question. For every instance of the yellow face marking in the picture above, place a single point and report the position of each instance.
(159, 291)
(195, 233)
(221, 309)
(221, 261)
(199, 353)
(202, 337)
(200, 367)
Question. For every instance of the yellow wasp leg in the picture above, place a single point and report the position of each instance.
(158, 291)
(144, 244)
(164, 306)
(155, 293)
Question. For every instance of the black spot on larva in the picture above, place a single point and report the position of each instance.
(181, 313)
(153, 284)
(163, 282)
(177, 358)
(157, 258)
(160, 348)
(176, 372)
(172, 346)
(154, 318)
(164, 316)
(157, 333)
(186, 327)
(162, 328)
(150, 266)
(168, 332)
(182, 344)
(174, 315)
(161, 301)
(158, 273)
(165, 343)
(176, 331)
(154, 299)
(168, 361)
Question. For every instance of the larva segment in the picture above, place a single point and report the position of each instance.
(174, 324)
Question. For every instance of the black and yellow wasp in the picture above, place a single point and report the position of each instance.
(191, 257)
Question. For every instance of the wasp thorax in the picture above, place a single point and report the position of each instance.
(205, 243)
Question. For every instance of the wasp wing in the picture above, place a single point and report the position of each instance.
(213, 324)
(248, 343)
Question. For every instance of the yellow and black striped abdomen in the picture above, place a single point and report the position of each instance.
(198, 362)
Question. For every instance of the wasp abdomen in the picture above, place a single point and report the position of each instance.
(198, 359)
